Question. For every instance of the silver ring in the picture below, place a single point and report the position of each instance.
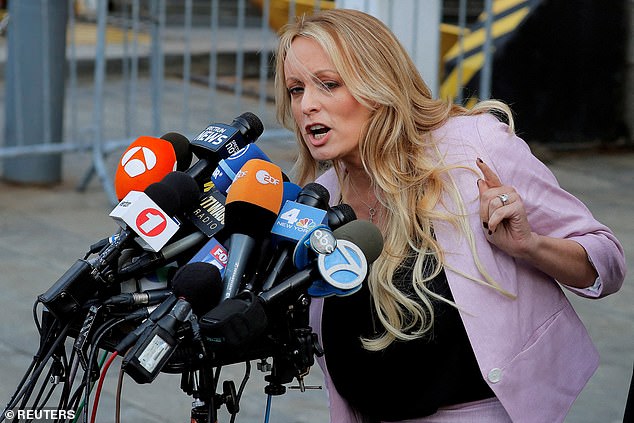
(504, 198)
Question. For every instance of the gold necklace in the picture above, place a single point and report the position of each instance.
(371, 209)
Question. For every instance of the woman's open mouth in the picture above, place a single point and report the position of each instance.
(318, 131)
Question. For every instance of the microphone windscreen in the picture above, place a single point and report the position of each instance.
(186, 187)
(250, 125)
(182, 150)
(254, 199)
(145, 161)
(260, 183)
(200, 284)
(228, 168)
(340, 215)
(314, 195)
(165, 196)
(366, 235)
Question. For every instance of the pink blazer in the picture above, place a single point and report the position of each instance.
(533, 351)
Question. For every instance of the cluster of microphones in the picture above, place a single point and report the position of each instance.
(214, 262)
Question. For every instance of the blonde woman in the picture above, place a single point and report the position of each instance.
(463, 317)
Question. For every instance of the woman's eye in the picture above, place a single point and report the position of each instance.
(295, 90)
(331, 84)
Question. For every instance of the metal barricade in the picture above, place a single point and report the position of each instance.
(154, 66)
(132, 72)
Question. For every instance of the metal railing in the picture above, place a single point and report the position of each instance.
(133, 72)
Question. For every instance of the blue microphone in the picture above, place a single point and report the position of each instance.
(358, 244)
(213, 252)
(227, 169)
(291, 192)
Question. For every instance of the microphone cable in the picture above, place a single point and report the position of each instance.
(76, 402)
(245, 378)
(96, 340)
(102, 377)
(35, 405)
(117, 398)
(73, 365)
(35, 318)
(25, 385)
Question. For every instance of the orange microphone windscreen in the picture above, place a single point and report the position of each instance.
(146, 160)
(260, 183)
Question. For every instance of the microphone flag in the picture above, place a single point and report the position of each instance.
(147, 160)
(139, 212)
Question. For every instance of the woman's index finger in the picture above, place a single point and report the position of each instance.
(490, 177)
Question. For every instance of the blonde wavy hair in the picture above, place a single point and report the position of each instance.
(398, 153)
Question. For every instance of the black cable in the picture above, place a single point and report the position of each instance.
(43, 387)
(68, 381)
(99, 334)
(84, 387)
(215, 387)
(35, 319)
(19, 387)
(53, 352)
(247, 373)
(29, 371)
(32, 385)
(75, 399)
(36, 373)
(48, 396)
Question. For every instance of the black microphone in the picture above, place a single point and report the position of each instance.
(200, 284)
(253, 203)
(314, 195)
(339, 215)
(219, 141)
(197, 287)
(317, 195)
(161, 310)
(182, 149)
(138, 216)
(149, 261)
(207, 217)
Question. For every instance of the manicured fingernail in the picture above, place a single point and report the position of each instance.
(485, 225)
(480, 160)
(478, 182)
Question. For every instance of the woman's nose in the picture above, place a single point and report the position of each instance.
(310, 101)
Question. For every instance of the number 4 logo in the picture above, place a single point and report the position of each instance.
(290, 216)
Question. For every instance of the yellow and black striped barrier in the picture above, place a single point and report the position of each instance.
(508, 15)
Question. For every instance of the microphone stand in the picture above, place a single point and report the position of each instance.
(201, 385)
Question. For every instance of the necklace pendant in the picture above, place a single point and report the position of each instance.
(372, 213)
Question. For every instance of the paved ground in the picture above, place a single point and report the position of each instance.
(44, 230)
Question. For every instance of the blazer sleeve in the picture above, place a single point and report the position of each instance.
(552, 211)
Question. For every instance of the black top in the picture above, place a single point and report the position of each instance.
(408, 379)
